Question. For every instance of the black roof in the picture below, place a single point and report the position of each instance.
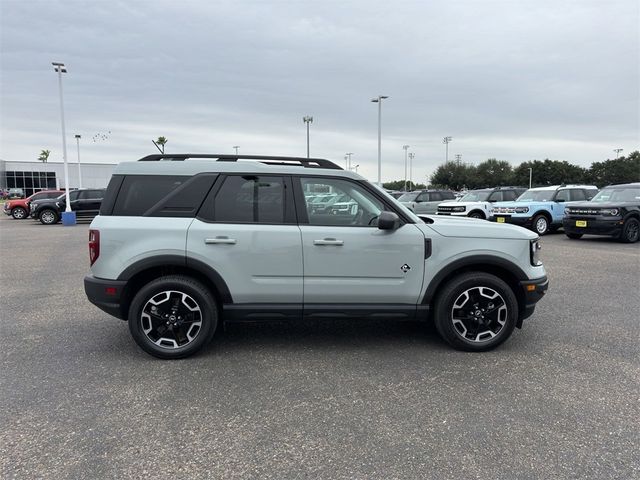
(221, 157)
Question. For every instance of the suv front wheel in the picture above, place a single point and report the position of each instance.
(173, 317)
(49, 217)
(476, 311)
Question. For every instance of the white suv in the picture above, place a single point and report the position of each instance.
(478, 203)
(191, 241)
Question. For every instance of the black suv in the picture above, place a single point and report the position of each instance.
(85, 202)
(614, 211)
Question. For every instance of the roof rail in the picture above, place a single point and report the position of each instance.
(268, 160)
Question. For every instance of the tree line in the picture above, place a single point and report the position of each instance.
(496, 173)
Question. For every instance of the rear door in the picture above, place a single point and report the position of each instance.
(347, 259)
(246, 231)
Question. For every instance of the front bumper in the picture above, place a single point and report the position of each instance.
(522, 221)
(533, 291)
(594, 226)
(107, 295)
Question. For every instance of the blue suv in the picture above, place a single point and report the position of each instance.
(541, 209)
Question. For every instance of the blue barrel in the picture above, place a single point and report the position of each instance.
(68, 218)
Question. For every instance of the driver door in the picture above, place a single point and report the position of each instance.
(347, 259)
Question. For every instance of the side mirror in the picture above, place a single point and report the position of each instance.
(388, 221)
(560, 200)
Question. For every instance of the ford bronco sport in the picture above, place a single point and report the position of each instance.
(185, 242)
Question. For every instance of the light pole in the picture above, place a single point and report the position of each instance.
(458, 158)
(236, 147)
(78, 137)
(411, 157)
(347, 157)
(307, 119)
(530, 175)
(68, 217)
(355, 168)
(378, 100)
(618, 150)
(405, 148)
(446, 141)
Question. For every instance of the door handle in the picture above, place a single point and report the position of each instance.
(329, 241)
(220, 241)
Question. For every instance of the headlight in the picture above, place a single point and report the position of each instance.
(609, 211)
(459, 209)
(567, 211)
(522, 209)
(58, 204)
(535, 253)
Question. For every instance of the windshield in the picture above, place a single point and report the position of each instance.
(536, 196)
(629, 194)
(476, 196)
(408, 197)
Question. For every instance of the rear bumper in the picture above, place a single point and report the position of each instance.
(106, 295)
(533, 290)
(595, 226)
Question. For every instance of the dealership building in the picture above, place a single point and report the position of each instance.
(35, 176)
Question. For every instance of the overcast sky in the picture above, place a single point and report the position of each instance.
(514, 80)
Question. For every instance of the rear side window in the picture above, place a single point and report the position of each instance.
(448, 195)
(435, 196)
(139, 193)
(496, 197)
(577, 195)
(250, 199)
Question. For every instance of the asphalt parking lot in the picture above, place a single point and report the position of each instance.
(561, 399)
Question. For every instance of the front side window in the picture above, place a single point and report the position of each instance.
(408, 197)
(562, 195)
(424, 197)
(355, 206)
(250, 199)
(496, 197)
(536, 196)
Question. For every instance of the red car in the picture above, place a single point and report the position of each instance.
(19, 208)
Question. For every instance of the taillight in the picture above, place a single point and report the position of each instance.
(94, 246)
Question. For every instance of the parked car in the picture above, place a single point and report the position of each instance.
(20, 208)
(425, 201)
(181, 246)
(478, 203)
(541, 209)
(614, 211)
(15, 193)
(85, 202)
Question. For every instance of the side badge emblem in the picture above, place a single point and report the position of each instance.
(405, 268)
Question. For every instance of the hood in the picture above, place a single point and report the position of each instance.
(475, 228)
(451, 203)
(592, 205)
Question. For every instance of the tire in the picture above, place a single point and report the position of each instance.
(149, 317)
(19, 213)
(490, 319)
(477, 214)
(49, 217)
(630, 231)
(574, 236)
(540, 224)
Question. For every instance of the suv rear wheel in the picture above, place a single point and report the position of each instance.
(630, 231)
(476, 311)
(19, 213)
(173, 317)
(49, 217)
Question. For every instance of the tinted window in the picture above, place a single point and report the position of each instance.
(562, 195)
(355, 206)
(577, 195)
(423, 197)
(448, 195)
(139, 193)
(250, 199)
(591, 193)
(435, 196)
(509, 195)
(496, 197)
(91, 194)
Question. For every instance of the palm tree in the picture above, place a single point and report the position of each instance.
(44, 156)
(160, 142)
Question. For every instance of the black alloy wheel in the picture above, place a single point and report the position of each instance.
(630, 231)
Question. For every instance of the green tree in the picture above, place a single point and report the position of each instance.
(619, 170)
(398, 185)
(160, 143)
(492, 173)
(548, 172)
(44, 156)
(454, 175)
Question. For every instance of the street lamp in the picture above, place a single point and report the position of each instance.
(446, 141)
(411, 157)
(79, 171)
(530, 175)
(378, 100)
(355, 168)
(347, 157)
(68, 217)
(618, 150)
(405, 148)
(236, 147)
(307, 120)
